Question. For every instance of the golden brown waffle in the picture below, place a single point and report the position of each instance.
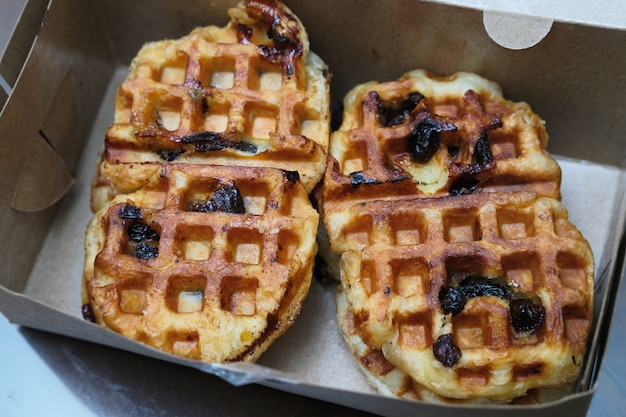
(429, 136)
(205, 262)
(391, 381)
(486, 295)
(248, 94)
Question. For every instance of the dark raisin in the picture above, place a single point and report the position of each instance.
(138, 232)
(412, 100)
(482, 151)
(203, 206)
(446, 351)
(424, 140)
(526, 314)
(212, 141)
(169, 156)
(358, 178)
(87, 312)
(452, 300)
(395, 112)
(130, 212)
(228, 199)
(292, 176)
(477, 286)
(463, 186)
(145, 250)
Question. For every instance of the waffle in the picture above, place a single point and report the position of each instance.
(250, 93)
(427, 136)
(205, 262)
(492, 297)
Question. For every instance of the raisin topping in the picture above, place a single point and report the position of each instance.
(87, 312)
(130, 212)
(477, 286)
(482, 151)
(463, 185)
(425, 138)
(228, 199)
(282, 30)
(142, 240)
(169, 156)
(225, 199)
(453, 298)
(212, 141)
(292, 176)
(139, 231)
(396, 112)
(358, 178)
(446, 351)
(526, 314)
(145, 250)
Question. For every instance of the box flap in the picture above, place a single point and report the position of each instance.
(515, 31)
(19, 46)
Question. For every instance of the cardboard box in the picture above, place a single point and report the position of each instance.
(568, 65)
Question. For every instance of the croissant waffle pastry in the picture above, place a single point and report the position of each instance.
(204, 238)
(210, 263)
(247, 94)
(462, 278)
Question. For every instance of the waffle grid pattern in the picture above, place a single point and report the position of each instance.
(379, 152)
(394, 279)
(252, 263)
(209, 83)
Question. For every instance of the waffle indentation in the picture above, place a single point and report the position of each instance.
(195, 243)
(522, 271)
(572, 271)
(261, 121)
(238, 295)
(408, 228)
(185, 344)
(461, 227)
(185, 294)
(416, 332)
(264, 76)
(412, 277)
(132, 294)
(174, 71)
(288, 243)
(359, 231)
(218, 72)
(515, 224)
(216, 117)
(367, 277)
(245, 245)
(474, 376)
(504, 146)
